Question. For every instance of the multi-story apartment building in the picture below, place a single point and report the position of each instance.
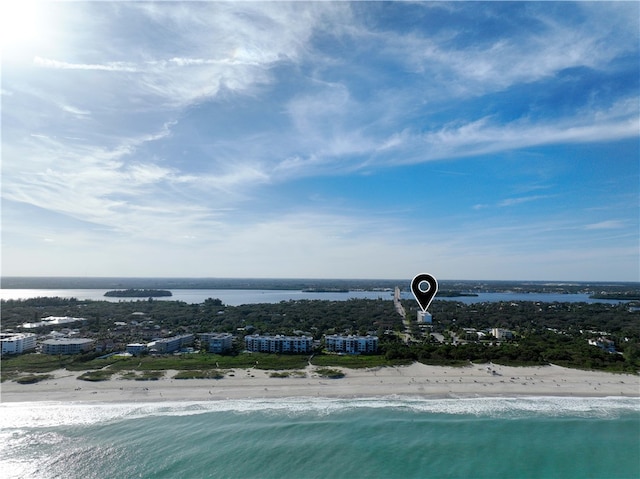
(136, 349)
(17, 343)
(278, 344)
(500, 333)
(351, 344)
(424, 317)
(170, 345)
(67, 345)
(216, 342)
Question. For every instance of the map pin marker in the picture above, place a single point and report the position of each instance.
(424, 288)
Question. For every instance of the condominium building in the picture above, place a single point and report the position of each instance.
(278, 344)
(499, 333)
(216, 342)
(603, 343)
(170, 345)
(351, 344)
(67, 346)
(136, 349)
(17, 343)
(424, 317)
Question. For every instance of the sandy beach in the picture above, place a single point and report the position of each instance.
(418, 380)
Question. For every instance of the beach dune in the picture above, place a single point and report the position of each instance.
(419, 380)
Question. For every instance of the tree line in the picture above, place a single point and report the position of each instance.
(543, 332)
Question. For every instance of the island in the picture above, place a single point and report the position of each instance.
(325, 290)
(453, 294)
(617, 295)
(138, 293)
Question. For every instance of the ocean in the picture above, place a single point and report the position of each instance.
(548, 437)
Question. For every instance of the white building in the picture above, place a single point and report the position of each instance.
(278, 344)
(67, 346)
(53, 321)
(217, 342)
(424, 317)
(17, 343)
(170, 345)
(499, 333)
(338, 343)
(603, 343)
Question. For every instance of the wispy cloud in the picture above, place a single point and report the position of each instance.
(486, 135)
(509, 202)
(522, 199)
(548, 45)
(108, 67)
(75, 111)
(209, 125)
(606, 225)
(333, 139)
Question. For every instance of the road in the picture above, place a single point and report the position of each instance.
(406, 336)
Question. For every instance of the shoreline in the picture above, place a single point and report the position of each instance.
(416, 381)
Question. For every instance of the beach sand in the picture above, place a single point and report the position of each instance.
(416, 380)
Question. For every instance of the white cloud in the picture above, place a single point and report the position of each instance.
(210, 47)
(550, 45)
(109, 67)
(522, 199)
(97, 136)
(480, 206)
(606, 225)
(243, 42)
(334, 144)
(75, 111)
(486, 135)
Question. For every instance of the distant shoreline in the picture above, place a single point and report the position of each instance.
(299, 284)
(454, 294)
(236, 297)
(138, 293)
(325, 290)
(625, 296)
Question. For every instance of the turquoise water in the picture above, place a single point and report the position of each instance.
(325, 438)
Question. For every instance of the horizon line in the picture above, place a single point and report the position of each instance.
(302, 278)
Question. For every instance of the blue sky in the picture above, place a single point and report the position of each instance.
(332, 140)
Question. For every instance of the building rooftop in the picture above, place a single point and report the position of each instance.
(67, 341)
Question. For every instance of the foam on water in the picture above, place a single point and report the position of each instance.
(51, 414)
(313, 438)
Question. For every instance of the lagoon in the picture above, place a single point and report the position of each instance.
(236, 297)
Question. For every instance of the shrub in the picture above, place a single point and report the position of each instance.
(199, 374)
(150, 376)
(32, 378)
(330, 373)
(100, 375)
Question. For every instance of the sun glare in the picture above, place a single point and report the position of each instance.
(21, 25)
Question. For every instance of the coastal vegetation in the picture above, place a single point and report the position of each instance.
(138, 293)
(622, 295)
(543, 333)
(99, 375)
(288, 374)
(330, 373)
(32, 378)
(142, 376)
(453, 294)
(199, 374)
(325, 290)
